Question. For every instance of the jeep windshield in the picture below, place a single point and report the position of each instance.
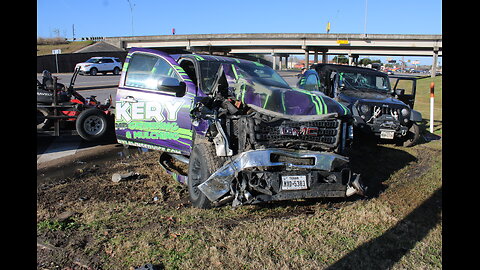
(262, 74)
(363, 82)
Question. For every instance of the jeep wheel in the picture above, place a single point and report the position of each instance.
(412, 137)
(93, 72)
(116, 71)
(203, 162)
(92, 124)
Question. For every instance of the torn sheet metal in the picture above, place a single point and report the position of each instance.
(218, 184)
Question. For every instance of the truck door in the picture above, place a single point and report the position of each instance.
(409, 86)
(153, 103)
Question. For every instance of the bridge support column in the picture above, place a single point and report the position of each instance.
(315, 57)
(274, 62)
(286, 62)
(324, 57)
(434, 63)
(307, 56)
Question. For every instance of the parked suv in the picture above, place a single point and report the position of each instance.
(377, 108)
(246, 136)
(103, 65)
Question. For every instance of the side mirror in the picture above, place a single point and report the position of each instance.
(170, 84)
(399, 92)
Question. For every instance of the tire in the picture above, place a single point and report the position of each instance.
(116, 71)
(92, 124)
(412, 137)
(93, 71)
(203, 163)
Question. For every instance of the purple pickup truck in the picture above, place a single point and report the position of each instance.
(246, 135)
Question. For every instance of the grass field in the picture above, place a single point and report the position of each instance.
(86, 220)
(69, 47)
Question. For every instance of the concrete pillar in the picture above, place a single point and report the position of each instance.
(349, 59)
(286, 62)
(434, 64)
(355, 59)
(307, 56)
(280, 63)
(315, 57)
(324, 57)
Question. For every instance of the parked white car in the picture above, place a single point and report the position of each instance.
(103, 65)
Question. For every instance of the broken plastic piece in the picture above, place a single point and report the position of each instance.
(117, 177)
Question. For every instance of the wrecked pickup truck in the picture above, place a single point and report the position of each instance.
(246, 136)
(377, 109)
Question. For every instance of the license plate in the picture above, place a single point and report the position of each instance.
(294, 182)
(387, 134)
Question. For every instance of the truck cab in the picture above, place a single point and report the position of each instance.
(246, 135)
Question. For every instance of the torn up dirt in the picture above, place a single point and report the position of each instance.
(87, 221)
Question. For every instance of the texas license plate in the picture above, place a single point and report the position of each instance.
(387, 134)
(294, 182)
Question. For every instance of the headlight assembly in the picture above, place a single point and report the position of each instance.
(405, 112)
(364, 108)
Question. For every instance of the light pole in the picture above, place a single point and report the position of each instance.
(131, 12)
(366, 12)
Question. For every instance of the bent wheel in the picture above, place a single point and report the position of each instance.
(203, 162)
(413, 135)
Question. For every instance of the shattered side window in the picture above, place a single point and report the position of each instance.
(208, 73)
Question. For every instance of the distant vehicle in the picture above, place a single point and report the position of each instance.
(104, 65)
(389, 72)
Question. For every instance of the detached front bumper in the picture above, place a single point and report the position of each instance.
(276, 174)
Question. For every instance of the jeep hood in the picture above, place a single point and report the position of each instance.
(351, 97)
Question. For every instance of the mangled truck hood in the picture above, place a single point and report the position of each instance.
(281, 100)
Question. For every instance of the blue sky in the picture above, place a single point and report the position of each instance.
(158, 17)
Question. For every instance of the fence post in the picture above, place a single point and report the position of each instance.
(432, 98)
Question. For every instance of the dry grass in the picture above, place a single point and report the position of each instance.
(121, 226)
(69, 47)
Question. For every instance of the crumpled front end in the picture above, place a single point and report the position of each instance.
(278, 143)
(276, 174)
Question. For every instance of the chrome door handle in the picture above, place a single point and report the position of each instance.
(129, 99)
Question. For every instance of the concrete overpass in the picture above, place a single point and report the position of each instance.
(285, 44)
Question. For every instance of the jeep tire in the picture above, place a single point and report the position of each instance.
(412, 137)
(203, 163)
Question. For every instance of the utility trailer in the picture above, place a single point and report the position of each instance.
(63, 111)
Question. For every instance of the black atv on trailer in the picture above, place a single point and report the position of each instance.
(60, 107)
(377, 108)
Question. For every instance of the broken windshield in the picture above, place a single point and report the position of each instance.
(363, 81)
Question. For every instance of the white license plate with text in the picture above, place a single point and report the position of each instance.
(294, 182)
(387, 134)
